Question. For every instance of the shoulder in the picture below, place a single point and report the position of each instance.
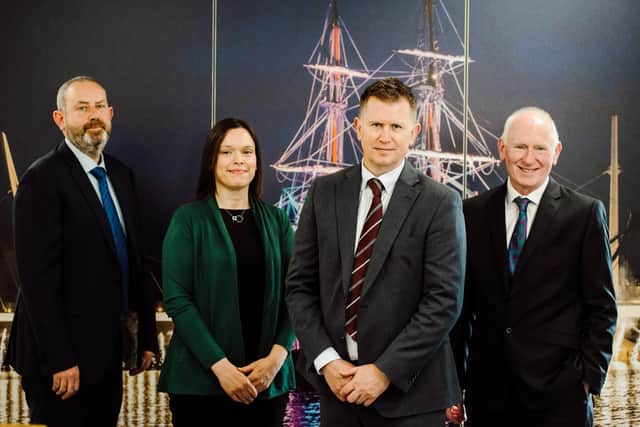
(576, 198)
(44, 166)
(191, 212)
(481, 200)
(271, 213)
(436, 188)
(337, 177)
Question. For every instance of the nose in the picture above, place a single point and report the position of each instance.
(92, 112)
(385, 134)
(529, 156)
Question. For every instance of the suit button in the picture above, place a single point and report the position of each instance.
(508, 331)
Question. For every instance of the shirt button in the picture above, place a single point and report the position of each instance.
(508, 331)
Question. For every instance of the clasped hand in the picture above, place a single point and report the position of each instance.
(360, 385)
(242, 384)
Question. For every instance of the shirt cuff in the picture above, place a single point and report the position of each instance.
(328, 355)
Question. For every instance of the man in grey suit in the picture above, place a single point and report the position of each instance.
(375, 281)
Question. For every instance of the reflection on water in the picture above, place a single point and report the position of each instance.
(619, 403)
(143, 406)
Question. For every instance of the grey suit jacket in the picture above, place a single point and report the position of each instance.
(412, 293)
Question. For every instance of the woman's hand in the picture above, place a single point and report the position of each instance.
(262, 372)
(234, 382)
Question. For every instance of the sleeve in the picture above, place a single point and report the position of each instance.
(441, 301)
(147, 332)
(38, 240)
(178, 281)
(284, 332)
(599, 301)
(302, 286)
(461, 332)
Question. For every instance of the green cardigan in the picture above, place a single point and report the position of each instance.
(199, 279)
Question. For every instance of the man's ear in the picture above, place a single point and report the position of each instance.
(58, 119)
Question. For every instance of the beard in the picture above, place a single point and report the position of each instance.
(90, 142)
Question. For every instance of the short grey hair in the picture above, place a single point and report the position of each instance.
(535, 110)
(62, 90)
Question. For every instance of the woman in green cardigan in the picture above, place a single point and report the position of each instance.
(224, 261)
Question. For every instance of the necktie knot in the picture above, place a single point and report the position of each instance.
(99, 172)
(376, 187)
(522, 203)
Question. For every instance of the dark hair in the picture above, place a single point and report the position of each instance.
(388, 90)
(207, 181)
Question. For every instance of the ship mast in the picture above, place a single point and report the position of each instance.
(614, 171)
(11, 169)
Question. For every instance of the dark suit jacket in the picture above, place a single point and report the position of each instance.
(69, 303)
(550, 327)
(411, 296)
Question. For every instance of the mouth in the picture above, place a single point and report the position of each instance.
(237, 171)
(527, 170)
(94, 126)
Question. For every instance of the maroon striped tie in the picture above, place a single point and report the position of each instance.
(363, 255)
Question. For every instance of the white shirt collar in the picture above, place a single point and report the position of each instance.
(388, 179)
(86, 162)
(535, 196)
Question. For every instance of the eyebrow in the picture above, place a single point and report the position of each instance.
(233, 146)
(102, 101)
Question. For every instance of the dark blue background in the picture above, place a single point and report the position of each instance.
(579, 59)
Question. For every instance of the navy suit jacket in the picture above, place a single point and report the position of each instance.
(549, 328)
(69, 303)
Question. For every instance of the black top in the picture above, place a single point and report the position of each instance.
(250, 268)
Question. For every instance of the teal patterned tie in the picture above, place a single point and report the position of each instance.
(519, 234)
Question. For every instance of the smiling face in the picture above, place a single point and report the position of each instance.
(386, 130)
(85, 117)
(236, 163)
(529, 150)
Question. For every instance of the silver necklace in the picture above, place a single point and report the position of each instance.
(239, 217)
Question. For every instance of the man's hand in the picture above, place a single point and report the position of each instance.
(456, 413)
(66, 383)
(368, 382)
(262, 372)
(336, 374)
(233, 382)
(147, 360)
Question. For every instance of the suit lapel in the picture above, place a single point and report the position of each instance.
(404, 195)
(347, 200)
(549, 205)
(498, 232)
(88, 193)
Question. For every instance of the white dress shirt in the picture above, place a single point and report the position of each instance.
(87, 163)
(388, 180)
(511, 210)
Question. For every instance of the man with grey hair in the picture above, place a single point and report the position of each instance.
(83, 304)
(535, 336)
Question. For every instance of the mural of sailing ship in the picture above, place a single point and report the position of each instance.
(325, 141)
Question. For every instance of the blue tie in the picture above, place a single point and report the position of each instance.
(519, 234)
(116, 229)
